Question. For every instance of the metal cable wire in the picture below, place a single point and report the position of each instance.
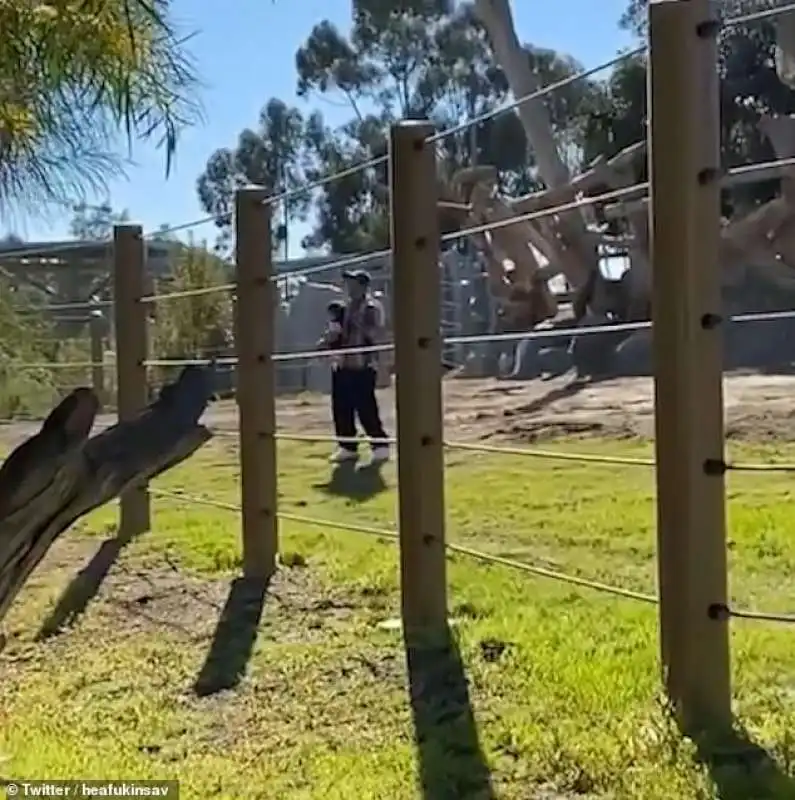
(386, 533)
(338, 263)
(198, 292)
(533, 216)
(368, 164)
(479, 119)
(530, 216)
(536, 95)
(591, 458)
(280, 197)
(760, 166)
(756, 616)
(473, 447)
(715, 612)
(528, 452)
(83, 305)
(184, 226)
(379, 160)
(748, 466)
(57, 365)
(325, 438)
(230, 361)
(757, 16)
(350, 261)
(551, 333)
(192, 499)
(546, 333)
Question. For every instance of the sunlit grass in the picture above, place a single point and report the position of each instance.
(568, 707)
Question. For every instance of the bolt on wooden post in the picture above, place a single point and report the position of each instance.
(418, 375)
(255, 315)
(131, 353)
(684, 165)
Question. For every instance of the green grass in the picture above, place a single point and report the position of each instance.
(563, 682)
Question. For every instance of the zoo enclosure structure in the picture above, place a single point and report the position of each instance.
(684, 160)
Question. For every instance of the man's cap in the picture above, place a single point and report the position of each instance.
(359, 275)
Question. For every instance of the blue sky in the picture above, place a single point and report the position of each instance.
(245, 54)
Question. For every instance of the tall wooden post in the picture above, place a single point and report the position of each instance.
(131, 353)
(96, 327)
(255, 315)
(418, 367)
(684, 163)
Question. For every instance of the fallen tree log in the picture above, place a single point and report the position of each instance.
(61, 474)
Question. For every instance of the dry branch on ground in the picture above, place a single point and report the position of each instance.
(60, 474)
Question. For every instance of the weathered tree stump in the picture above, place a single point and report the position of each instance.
(61, 474)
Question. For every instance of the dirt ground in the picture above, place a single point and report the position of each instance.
(758, 408)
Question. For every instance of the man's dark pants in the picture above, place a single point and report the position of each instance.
(352, 396)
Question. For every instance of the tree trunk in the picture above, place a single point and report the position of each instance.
(61, 474)
(497, 18)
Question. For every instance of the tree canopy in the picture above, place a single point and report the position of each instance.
(74, 74)
(432, 59)
(750, 88)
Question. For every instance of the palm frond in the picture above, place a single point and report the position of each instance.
(76, 74)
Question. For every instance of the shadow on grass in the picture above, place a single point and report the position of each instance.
(452, 764)
(234, 637)
(84, 587)
(359, 483)
(742, 769)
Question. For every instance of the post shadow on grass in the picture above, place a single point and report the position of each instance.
(358, 483)
(452, 763)
(234, 637)
(741, 768)
(83, 587)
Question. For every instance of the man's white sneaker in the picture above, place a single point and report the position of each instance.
(380, 454)
(342, 455)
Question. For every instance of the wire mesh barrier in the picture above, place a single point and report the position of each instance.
(684, 188)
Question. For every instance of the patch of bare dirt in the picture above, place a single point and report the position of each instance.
(79, 599)
(757, 407)
(88, 585)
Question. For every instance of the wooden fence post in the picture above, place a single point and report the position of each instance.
(418, 375)
(255, 316)
(684, 165)
(131, 353)
(96, 327)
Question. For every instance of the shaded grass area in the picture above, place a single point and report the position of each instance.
(561, 693)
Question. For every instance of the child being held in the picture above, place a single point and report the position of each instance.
(332, 338)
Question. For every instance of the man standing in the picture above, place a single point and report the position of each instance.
(354, 375)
